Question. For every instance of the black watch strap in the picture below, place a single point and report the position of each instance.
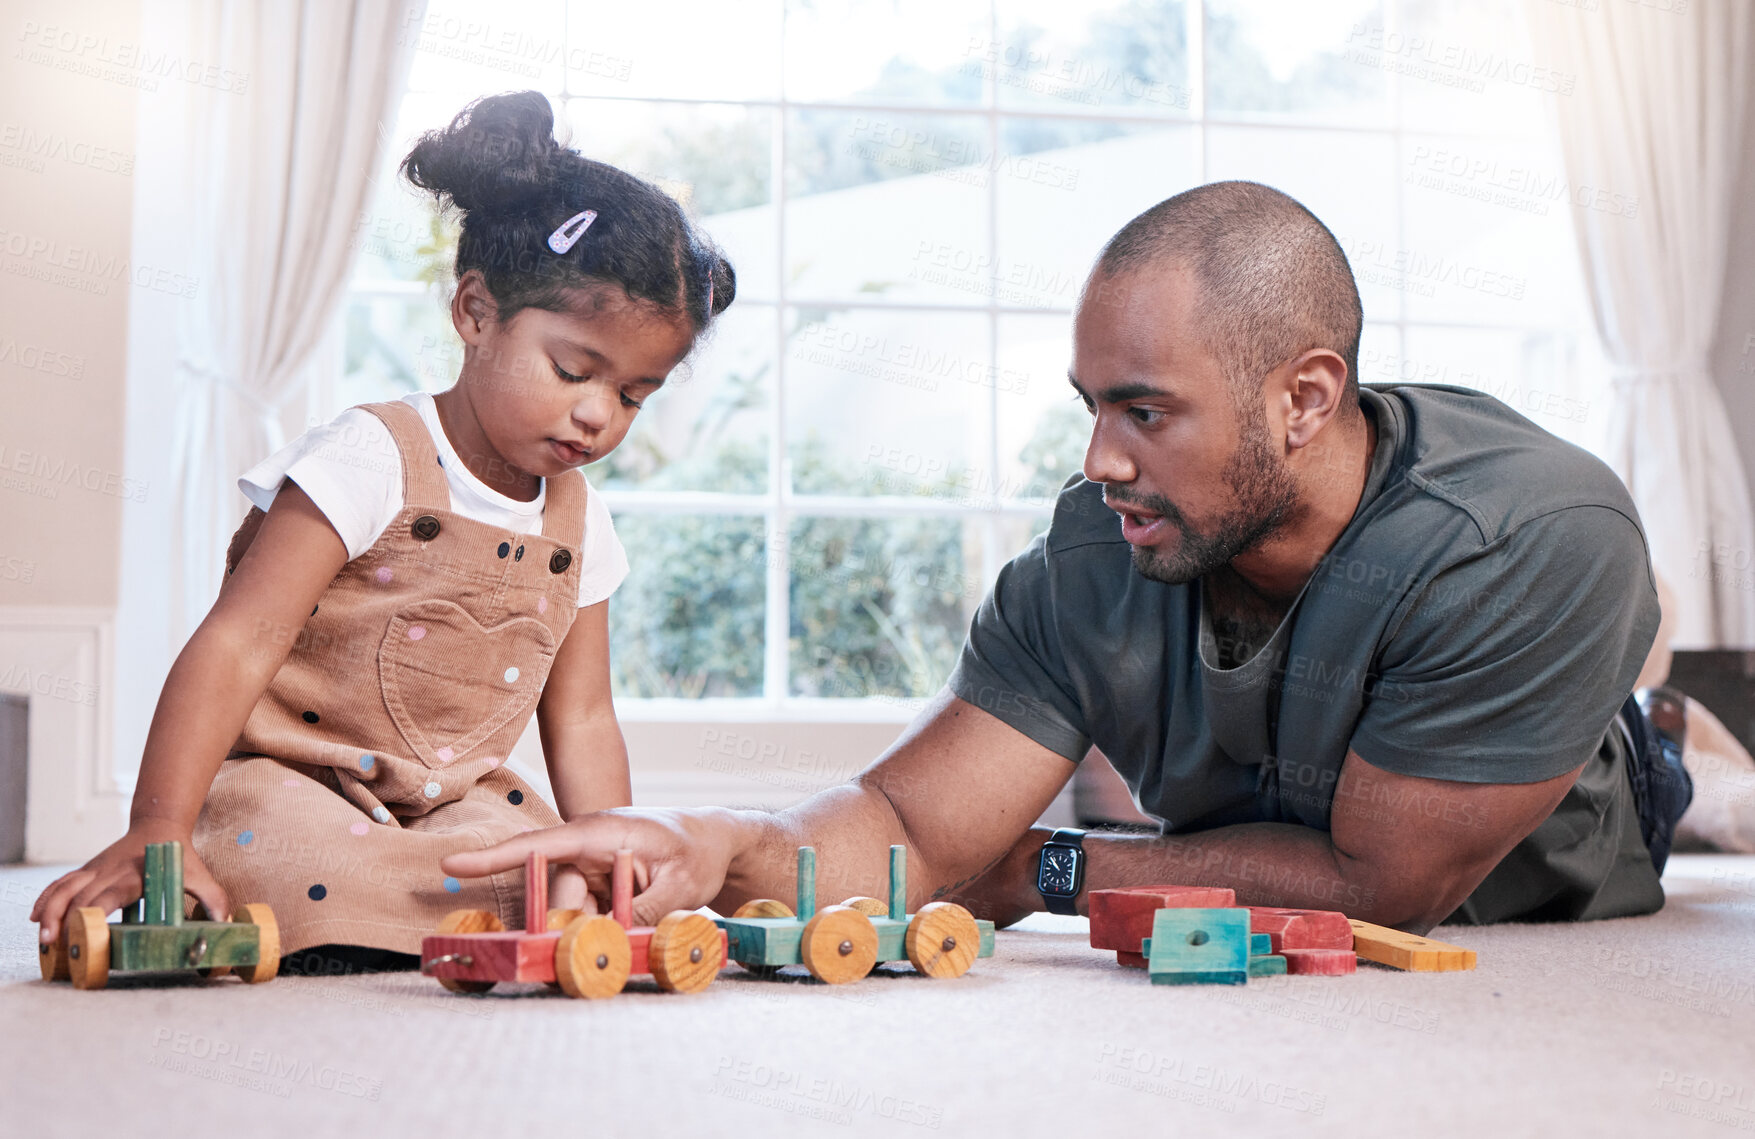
(1066, 904)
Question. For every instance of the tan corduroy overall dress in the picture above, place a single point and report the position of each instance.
(379, 746)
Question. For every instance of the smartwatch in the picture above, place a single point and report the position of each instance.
(1060, 871)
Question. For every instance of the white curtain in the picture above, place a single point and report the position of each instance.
(282, 171)
(1657, 115)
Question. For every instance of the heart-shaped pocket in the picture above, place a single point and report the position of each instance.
(449, 683)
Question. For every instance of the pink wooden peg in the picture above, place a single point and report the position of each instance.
(535, 893)
(621, 888)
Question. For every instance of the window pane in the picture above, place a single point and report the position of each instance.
(707, 428)
(1534, 371)
(396, 345)
(714, 159)
(464, 49)
(1489, 232)
(1043, 427)
(1360, 208)
(880, 606)
(871, 194)
(904, 51)
(1131, 55)
(1296, 59)
(886, 402)
(688, 620)
(1466, 65)
(1064, 188)
(674, 49)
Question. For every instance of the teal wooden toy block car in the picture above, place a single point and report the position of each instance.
(153, 936)
(843, 943)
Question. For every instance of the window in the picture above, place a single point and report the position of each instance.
(912, 193)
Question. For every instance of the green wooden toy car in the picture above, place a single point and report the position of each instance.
(153, 935)
(845, 942)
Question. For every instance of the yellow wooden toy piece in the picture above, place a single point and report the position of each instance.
(1408, 951)
(469, 921)
(683, 955)
(88, 948)
(593, 958)
(870, 907)
(764, 908)
(942, 940)
(53, 958)
(838, 945)
(267, 964)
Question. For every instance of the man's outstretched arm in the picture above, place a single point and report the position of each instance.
(1403, 851)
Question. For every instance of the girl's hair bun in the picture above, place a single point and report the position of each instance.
(498, 155)
(724, 283)
(498, 163)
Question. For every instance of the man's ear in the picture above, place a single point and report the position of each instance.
(1317, 384)
(472, 308)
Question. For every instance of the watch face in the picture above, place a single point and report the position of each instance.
(1059, 865)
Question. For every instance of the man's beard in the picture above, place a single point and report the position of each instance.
(1263, 493)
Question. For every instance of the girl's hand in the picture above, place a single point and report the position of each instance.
(116, 877)
(568, 890)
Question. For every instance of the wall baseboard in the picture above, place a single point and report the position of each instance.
(62, 660)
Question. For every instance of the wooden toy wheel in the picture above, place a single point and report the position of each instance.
(593, 958)
(561, 919)
(942, 940)
(53, 957)
(88, 948)
(763, 908)
(684, 952)
(267, 965)
(870, 907)
(468, 921)
(838, 945)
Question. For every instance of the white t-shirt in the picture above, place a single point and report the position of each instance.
(351, 468)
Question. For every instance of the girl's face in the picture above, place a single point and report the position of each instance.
(551, 391)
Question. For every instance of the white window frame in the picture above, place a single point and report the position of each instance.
(780, 507)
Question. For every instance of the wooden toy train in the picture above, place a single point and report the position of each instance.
(153, 935)
(846, 942)
(586, 955)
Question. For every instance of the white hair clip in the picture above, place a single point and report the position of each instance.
(561, 240)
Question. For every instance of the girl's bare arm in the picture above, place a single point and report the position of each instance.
(581, 739)
(208, 696)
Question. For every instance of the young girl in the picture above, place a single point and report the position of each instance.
(418, 576)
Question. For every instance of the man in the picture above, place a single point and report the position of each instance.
(1373, 651)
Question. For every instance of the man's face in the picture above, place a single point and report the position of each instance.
(1197, 479)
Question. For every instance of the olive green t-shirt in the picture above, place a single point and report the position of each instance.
(1481, 619)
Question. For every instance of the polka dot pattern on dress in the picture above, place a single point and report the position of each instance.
(318, 892)
(431, 790)
(514, 796)
(416, 632)
(511, 675)
(359, 828)
(383, 575)
(381, 814)
(445, 754)
(542, 605)
(245, 838)
(452, 885)
(311, 717)
(367, 762)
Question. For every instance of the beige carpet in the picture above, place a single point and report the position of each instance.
(1643, 1026)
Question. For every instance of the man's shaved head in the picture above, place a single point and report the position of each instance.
(1272, 281)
